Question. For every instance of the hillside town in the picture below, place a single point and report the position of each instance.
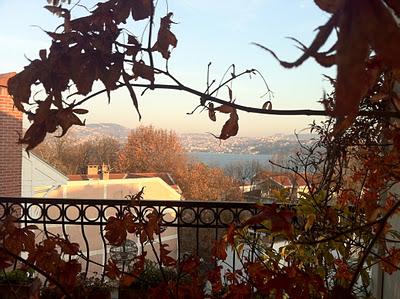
(205, 142)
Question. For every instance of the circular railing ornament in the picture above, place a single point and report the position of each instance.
(125, 253)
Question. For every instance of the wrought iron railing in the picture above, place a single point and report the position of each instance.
(190, 226)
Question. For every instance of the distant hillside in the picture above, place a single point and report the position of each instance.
(91, 131)
(203, 142)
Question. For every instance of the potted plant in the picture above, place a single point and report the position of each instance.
(91, 287)
(18, 283)
(95, 288)
(150, 277)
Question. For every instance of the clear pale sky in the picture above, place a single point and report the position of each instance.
(219, 31)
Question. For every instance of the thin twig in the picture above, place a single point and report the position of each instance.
(249, 109)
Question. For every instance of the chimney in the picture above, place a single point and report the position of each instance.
(92, 169)
(105, 172)
(102, 171)
(10, 149)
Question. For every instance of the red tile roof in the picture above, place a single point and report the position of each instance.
(85, 177)
(287, 180)
(165, 176)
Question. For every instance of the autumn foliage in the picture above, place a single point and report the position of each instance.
(330, 236)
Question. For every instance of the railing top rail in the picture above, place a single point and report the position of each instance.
(124, 202)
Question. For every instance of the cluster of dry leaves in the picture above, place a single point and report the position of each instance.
(54, 256)
(88, 49)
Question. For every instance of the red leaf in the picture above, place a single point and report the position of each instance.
(69, 248)
(165, 259)
(115, 231)
(138, 268)
(152, 226)
(190, 265)
(219, 250)
(343, 270)
(111, 270)
(69, 272)
(214, 276)
(230, 234)
(391, 262)
(239, 291)
(281, 220)
(21, 239)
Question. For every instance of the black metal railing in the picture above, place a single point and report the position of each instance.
(190, 226)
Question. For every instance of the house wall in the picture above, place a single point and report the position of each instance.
(155, 189)
(38, 177)
(390, 282)
(10, 150)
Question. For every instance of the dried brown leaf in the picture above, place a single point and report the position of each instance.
(352, 52)
(267, 105)
(83, 72)
(330, 6)
(66, 119)
(395, 5)
(165, 37)
(319, 40)
(80, 111)
(132, 93)
(34, 135)
(231, 127)
(211, 112)
(57, 10)
(43, 54)
(19, 86)
(43, 110)
(323, 58)
(382, 30)
(225, 109)
(110, 73)
(230, 93)
(141, 9)
(140, 69)
(135, 48)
